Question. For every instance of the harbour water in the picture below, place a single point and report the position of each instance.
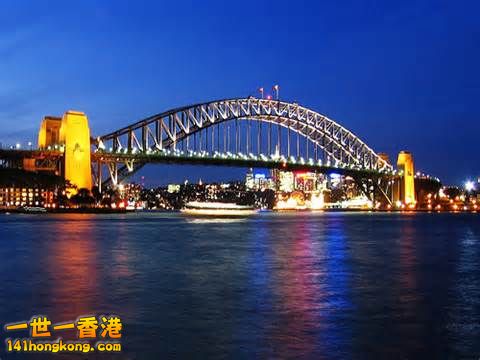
(292, 285)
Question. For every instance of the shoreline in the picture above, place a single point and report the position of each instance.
(66, 211)
(124, 211)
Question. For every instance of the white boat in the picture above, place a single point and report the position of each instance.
(199, 208)
(33, 209)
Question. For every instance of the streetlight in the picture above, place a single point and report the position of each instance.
(276, 88)
(469, 185)
(30, 145)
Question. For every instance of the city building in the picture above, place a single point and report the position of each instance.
(130, 191)
(306, 181)
(286, 181)
(12, 197)
(173, 188)
(258, 181)
(249, 179)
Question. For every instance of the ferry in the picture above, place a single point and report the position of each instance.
(199, 208)
(32, 210)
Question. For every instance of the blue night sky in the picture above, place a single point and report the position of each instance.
(399, 74)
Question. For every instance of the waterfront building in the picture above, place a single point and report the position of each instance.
(306, 181)
(130, 191)
(249, 179)
(12, 197)
(286, 180)
(258, 181)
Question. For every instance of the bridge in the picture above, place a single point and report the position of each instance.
(247, 132)
(243, 132)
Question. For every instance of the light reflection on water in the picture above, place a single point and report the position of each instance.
(73, 266)
(304, 285)
(214, 220)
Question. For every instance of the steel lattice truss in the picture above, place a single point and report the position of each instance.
(166, 130)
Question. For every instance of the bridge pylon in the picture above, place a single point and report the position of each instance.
(71, 132)
(405, 189)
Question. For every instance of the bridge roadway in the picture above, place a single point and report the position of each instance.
(203, 158)
(236, 160)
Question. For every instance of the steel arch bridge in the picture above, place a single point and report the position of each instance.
(242, 132)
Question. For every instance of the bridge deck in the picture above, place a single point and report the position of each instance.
(234, 160)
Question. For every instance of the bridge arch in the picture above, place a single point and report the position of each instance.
(166, 130)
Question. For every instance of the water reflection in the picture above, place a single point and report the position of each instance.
(274, 286)
(465, 307)
(408, 302)
(74, 268)
(122, 253)
(299, 287)
(305, 267)
(218, 220)
(338, 280)
(407, 259)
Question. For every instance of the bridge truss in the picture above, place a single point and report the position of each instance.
(269, 133)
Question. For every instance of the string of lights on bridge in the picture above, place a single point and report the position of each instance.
(276, 158)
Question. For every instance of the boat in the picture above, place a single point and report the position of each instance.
(32, 210)
(200, 208)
